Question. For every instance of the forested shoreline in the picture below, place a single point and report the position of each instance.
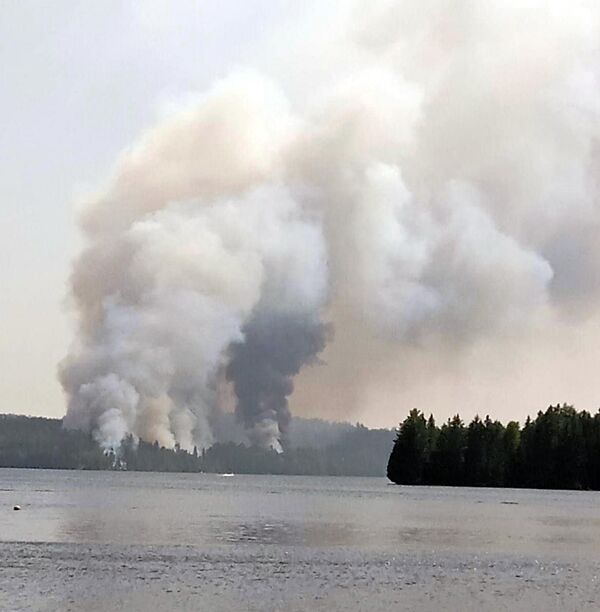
(559, 449)
(37, 442)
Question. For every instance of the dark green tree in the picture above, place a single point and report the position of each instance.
(448, 458)
(411, 449)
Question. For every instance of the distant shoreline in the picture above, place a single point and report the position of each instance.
(344, 450)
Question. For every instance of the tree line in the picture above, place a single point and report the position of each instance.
(359, 451)
(35, 442)
(559, 449)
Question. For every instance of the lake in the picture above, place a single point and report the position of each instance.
(100, 540)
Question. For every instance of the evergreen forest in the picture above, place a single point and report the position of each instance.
(337, 450)
(559, 449)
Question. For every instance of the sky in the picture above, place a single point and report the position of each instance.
(82, 81)
(79, 83)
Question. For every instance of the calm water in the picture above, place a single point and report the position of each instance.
(265, 542)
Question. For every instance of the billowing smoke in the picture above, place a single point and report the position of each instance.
(184, 292)
(434, 187)
(262, 367)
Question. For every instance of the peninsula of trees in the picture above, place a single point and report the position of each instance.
(559, 449)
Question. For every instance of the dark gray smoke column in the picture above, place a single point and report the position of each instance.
(275, 348)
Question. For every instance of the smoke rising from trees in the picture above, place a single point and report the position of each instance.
(262, 367)
(438, 189)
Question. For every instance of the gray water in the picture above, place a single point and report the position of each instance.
(96, 540)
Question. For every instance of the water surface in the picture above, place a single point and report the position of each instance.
(232, 541)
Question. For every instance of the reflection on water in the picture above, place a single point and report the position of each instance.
(284, 533)
(207, 510)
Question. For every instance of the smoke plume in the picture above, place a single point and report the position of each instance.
(436, 189)
(262, 368)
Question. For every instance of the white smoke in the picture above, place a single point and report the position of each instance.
(441, 190)
(183, 281)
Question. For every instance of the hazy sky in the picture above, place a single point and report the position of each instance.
(79, 83)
